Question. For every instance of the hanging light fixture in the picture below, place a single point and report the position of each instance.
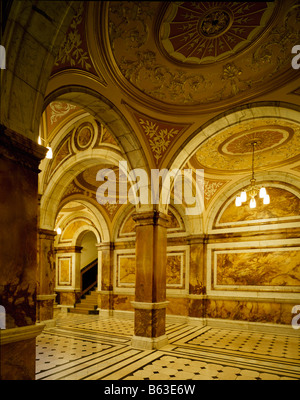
(252, 191)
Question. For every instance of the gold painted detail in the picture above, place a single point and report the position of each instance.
(71, 50)
(214, 23)
(59, 109)
(159, 138)
(279, 144)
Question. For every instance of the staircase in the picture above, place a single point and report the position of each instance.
(87, 304)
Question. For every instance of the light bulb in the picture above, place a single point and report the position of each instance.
(49, 154)
(266, 199)
(58, 230)
(238, 201)
(262, 192)
(243, 196)
(252, 203)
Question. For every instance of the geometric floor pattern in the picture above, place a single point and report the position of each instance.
(87, 347)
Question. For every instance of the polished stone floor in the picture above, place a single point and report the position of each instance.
(87, 347)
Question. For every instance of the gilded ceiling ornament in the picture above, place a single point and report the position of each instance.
(205, 32)
(211, 187)
(198, 38)
(175, 86)
(231, 73)
(71, 50)
(59, 109)
(130, 22)
(159, 138)
(278, 143)
(215, 23)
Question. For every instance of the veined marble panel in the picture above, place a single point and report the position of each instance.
(267, 268)
(64, 271)
(176, 274)
(177, 269)
(126, 270)
(258, 267)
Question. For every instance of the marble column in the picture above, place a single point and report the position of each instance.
(105, 278)
(19, 161)
(46, 276)
(150, 290)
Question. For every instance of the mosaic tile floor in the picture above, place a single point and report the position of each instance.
(87, 347)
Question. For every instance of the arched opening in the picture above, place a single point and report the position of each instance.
(88, 262)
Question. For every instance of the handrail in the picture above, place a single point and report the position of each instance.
(87, 289)
(82, 272)
(89, 266)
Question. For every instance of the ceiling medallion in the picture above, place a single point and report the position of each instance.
(202, 32)
(230, 150)
(215, 23)
(267, 137)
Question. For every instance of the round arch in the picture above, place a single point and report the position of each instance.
(274, 179)
(79, 234)
(107, 114)
(99, 221)
(281, 110)
(63, 177)
(230, 118)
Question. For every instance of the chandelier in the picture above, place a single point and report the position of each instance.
(252, 190)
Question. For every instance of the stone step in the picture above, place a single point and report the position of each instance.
(87, 305)
(83, 311)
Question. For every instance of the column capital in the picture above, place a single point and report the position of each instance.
(47, 233)
(20, 149)
(151, 218)
(105, 246)
(196, 239)
(68, 249)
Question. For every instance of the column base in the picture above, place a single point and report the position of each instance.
(145, 343)
(49, 323)
(17, 352)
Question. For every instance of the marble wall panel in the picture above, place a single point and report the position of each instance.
(64, 271)
(174, 270)
(177, 306)
(122, 302)
(250, 311)
(177, 260)
(126, 270)
(67, 298)
(197, 279)
(259, 268)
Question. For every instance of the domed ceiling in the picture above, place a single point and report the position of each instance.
(230, 151)
(206, 32)
(207, 54)
(172, 68)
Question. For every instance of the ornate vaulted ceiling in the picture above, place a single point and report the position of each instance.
(171, 68)
(199, 54)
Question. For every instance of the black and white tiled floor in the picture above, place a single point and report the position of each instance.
(87, 347)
